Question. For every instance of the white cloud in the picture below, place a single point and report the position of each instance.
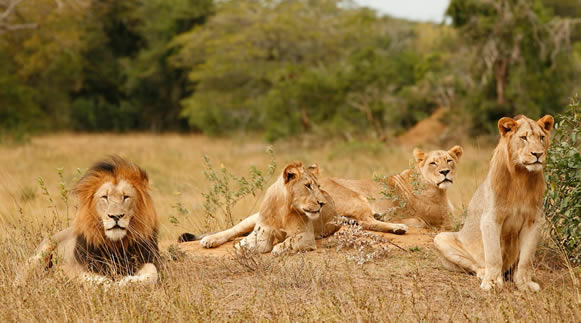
(420, 10)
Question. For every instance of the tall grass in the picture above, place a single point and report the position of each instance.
(321, 285)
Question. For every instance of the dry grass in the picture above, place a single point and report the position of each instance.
(321, 285)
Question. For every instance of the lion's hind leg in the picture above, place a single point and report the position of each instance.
(219, 238)
(454, 257)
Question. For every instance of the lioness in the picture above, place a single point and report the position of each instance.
(294, 212)
(505, 213)
(428, 204)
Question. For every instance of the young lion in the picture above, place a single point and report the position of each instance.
(505, 213)
(294, 212)
(427, 204)
(115, 230)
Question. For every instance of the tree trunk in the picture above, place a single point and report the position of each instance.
(501, 68)
(305, 120)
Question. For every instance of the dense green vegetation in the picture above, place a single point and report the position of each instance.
(563, 172)
(282, 67)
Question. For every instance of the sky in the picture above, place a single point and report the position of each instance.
(419, 10)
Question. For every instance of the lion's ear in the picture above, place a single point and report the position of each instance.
(419, 155)
(506, 125)
(143, 176)
(456, 152)
(314, 169)
(291, 171)
(546, 122)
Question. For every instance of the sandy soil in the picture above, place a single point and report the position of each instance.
(413, 238)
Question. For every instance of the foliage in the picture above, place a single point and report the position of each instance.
(279, 67)
(298, 66)
(523, 51)
(563, 172)
(227, 189)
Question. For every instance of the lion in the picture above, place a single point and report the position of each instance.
(114, 234)
(501, 230)
(416, 197)
(294, 212)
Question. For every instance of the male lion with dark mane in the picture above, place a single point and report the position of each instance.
(294, 212)
(114, 233)
(504, 216)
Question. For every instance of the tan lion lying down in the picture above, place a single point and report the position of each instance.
(294, 212)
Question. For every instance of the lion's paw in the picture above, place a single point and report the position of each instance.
(488, 284)
(278, 250)
(211, 241)
(400, 228)
(529, 286)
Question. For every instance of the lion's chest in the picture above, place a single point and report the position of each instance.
(115, 260)
(514, 220)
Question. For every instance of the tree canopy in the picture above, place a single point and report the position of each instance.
(282, 67)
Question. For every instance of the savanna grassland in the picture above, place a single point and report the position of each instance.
(401, 285)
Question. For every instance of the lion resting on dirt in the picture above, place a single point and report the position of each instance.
(294, 212)
(418, 196)
(505, 213)
(115, 230)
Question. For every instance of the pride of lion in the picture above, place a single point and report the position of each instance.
(113, 240)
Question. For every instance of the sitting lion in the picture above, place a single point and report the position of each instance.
(294, 212)
(504, 216)
(415, 196)
(115, 230)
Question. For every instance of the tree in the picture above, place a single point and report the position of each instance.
(8, 16)
(520, 46)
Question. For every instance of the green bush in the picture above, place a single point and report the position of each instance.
(563, 172)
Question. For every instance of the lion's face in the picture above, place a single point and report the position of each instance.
(115, 205)
(438, 167)
(304, 189)
(528, 141)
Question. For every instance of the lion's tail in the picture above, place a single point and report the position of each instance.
(185, 237)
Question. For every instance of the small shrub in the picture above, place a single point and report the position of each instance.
(563, 173)
(222, 195)
(367, 246)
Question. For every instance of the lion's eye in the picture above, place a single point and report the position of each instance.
(308, 186)
(433, 163)
(449, 161)
(542, 138)
(523, 138)
(105, 197)
(125, 197)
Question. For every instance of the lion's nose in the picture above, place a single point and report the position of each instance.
(116, 217)
(538, 155)
(444, 172)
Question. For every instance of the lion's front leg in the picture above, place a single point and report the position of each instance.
(492, 253)
(529, 237)
(147, 275)
(43, 258)
(304, 241)
(261, 239)
(219, 238)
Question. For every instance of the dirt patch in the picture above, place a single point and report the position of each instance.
(414, 238)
